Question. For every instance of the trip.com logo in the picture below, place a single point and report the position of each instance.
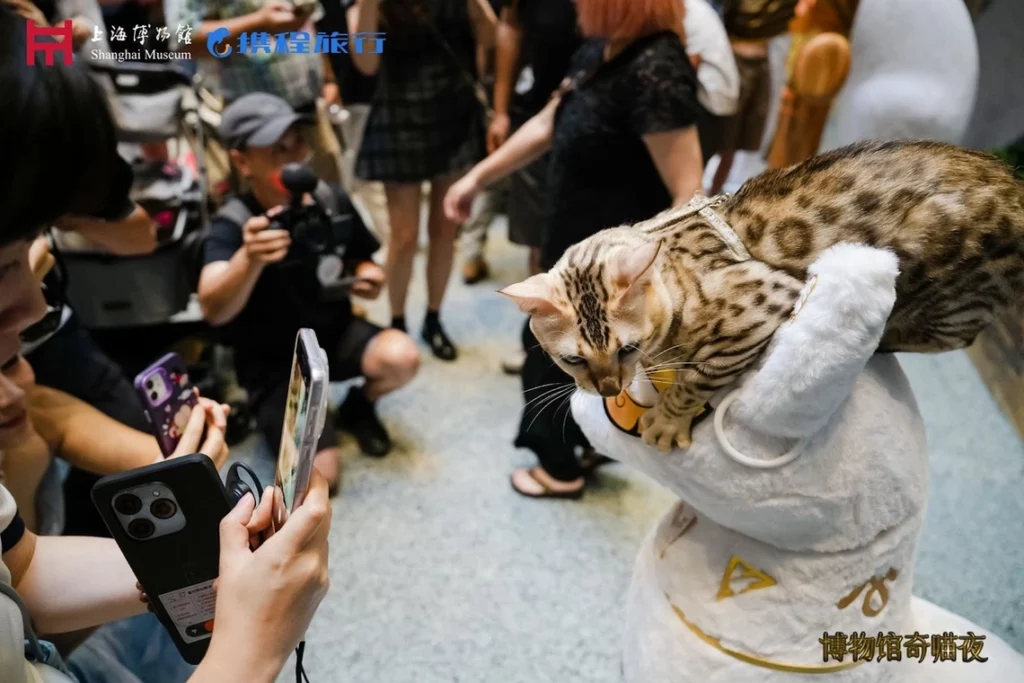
(49, 41)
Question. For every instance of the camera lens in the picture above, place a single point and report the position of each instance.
(128, 504)
(163, 508)
(149, 384)
(153, 395)
(141, 528)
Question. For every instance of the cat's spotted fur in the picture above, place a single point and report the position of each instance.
(670, 293)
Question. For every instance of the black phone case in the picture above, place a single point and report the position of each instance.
(185, 561)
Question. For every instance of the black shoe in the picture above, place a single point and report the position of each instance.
(440, 344)
(358, 416)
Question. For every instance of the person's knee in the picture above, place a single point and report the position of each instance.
(393, 358)
(403, 241)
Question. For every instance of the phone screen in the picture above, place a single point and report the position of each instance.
(296, 412)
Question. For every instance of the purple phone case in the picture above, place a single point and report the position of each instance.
(169, 416)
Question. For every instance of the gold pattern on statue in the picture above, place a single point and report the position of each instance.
(876, 587)
(758, 579)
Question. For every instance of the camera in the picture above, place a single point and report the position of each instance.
(315, 229)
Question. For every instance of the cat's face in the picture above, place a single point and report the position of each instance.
(594, 317)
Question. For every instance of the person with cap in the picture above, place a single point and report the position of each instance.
(262, 298)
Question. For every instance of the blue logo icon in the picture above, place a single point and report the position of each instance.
(214, 40)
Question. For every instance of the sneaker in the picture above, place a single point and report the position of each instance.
(513, 364)
(358, 416)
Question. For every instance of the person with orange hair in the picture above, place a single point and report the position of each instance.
(622, 136)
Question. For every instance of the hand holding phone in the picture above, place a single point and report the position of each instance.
(256, 630)
(204, 432)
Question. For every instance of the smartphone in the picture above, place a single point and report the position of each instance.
(166, 518)
(168, 397)
(304, 414)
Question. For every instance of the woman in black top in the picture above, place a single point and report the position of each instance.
(623, 142)
(425, 125)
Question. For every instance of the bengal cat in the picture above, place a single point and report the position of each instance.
(672, 292)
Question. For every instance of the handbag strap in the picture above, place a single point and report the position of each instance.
(479, 91)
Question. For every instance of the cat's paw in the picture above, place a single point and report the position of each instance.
(664, 431)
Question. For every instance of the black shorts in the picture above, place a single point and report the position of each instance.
(346, 362)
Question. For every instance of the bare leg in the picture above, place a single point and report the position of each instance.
(404, 217)
(442, 244)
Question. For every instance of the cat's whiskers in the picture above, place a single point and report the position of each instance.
(569, 390)
(547, 394)
(663, 352)
(541, 386)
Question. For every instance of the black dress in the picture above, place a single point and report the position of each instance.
(602, 175)
(425, 119)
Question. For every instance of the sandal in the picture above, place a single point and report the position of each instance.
(546, 492)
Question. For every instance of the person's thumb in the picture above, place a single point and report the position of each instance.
(234, 535)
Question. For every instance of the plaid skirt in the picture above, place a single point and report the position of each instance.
(424, 122)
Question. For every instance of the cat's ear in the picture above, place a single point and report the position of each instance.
(631, 267)
(534, 295)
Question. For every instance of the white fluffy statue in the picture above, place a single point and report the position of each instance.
(790, 555)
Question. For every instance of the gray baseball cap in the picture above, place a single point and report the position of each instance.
(258, 119)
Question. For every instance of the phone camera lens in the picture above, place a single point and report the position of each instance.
(141, 528)
(149, 384)
(154, 395)
(163, 508)
(128, 504)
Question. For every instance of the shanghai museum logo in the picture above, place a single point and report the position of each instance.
(255, 43)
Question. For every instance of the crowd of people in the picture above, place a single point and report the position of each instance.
(570, 116)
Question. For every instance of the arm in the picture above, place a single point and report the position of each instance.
(509, 38)
(364, 17)
(96, 443)
(506, 60)
(225, 287)
(136, 234)
(273, 16)
(71, 583)
(528, 144)
(677, 155)
(484, 21)
(87, 438)
(330, 92)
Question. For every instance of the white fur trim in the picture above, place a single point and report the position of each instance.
(815, 357)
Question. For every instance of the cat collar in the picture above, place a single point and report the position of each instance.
(705, 208)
